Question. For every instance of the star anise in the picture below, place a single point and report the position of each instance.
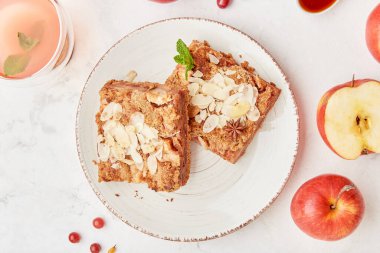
(235, 128)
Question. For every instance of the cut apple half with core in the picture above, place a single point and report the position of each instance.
(349, 118)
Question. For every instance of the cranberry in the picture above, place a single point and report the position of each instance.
(98, 222)
(223, 3)
(74, 237)
(95, 248)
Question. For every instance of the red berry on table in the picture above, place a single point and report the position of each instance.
(74, 237)
(98, 222)
(223, 3)
(95, 248)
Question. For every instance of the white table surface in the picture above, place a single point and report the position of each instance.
(44, 194)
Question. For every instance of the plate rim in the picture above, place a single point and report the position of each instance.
(180, 238)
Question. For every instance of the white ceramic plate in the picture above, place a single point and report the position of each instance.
(219, 197)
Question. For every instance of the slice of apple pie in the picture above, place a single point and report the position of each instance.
(143, 135)
(228, 101)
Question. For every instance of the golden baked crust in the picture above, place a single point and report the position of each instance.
(169, 118)
(220, 140)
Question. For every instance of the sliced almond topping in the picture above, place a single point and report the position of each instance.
(158, 153)
(120, 135)
(133, 139)
(152, 164)
(198, 119)
(198, 74)
(141, 138)
(117, 152)
(211, 123)
(130, 77)
(248, 94)
(253, 114)
(147, 148)
(149, 132)
(230, 72)
(213, 59)
(103, 152)
(212, 106)
(222, 121)
(111, 110)
(137, 120)
(140, 166)
(218, 107)
(158, 96)
(115, 166)
(218, 79)
(229, 81)
(128, 162)
(237, 110)
(193, 89)
(201, 101)
(136, 157)
(110, 141)
(203, 114)
(196, 80)
(210, 89)
(224, 93)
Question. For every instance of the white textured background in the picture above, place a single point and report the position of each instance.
(44, 194)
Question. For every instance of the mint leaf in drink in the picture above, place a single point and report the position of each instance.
(184, 57)
(15, 64)
(27, 43)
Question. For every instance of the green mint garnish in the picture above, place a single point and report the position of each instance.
(184, 56)
(15, 64)
(27, 43)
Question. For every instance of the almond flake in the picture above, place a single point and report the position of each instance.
(152, 164)
(201, 101)
(149, 132)
(197, 74)
(158, 96)
(253, 114)
(128, 162)
(110, 141)
(218, 79)
(158, 153)
(196, 80)
(198, 119)
(130, 77)
(117, 152)
(103, 152)
(218, 107)
(213, 59)
(224, 93)
(230, 72)
(137, 120)
(232, 99)
(136, 157)
(120, 135)
(133, 139)
(193, 89)
(111, 110)
(238, 110)
(222, 121)
(211, 123)
(210, 89)
(229, 81)
(203, 114)
(141, 138)
(147, 148)
(140, 166)
(115, 166)
(212, 106)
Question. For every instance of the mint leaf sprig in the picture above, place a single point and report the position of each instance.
(184, 56)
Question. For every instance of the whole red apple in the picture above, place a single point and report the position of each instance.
(373, 33)
(348, 118)
(328, 207)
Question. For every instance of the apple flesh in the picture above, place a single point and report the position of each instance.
(373, 33)
(348, 118)
(328, 207)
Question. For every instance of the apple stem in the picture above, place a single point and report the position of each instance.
(344, 189)
(353, 81)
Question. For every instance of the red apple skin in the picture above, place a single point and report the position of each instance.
(321, 111)
(312, 213)
(373, 33)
